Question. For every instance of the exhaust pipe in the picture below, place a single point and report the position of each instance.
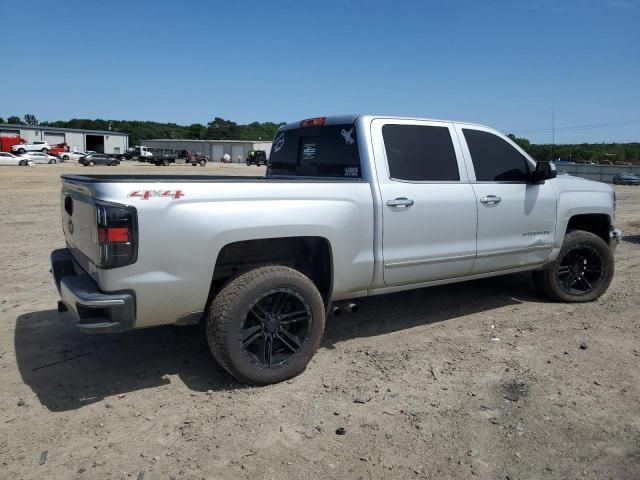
(346, 305)
(336, 310)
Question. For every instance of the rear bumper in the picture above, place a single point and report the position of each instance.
(615, 236)
(95, 312)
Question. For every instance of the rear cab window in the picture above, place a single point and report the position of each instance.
(420, 153)
(316, 151)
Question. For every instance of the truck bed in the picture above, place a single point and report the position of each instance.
(201, 179)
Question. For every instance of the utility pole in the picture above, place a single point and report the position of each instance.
(553, 127)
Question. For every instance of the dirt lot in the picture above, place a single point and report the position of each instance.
(478, 380)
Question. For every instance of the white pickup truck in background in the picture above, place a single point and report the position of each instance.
(351, 206)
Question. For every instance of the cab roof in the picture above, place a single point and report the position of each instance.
(351, 118)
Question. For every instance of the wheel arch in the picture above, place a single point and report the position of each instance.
(310, 255)
(596, 223)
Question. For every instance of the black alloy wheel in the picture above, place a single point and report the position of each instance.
(265, 325)
(580, 270)
(275, 327)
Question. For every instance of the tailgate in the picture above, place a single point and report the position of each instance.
(79, 222)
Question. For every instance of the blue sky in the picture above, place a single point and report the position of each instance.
(495, 62)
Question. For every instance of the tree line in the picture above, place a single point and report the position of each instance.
(216, 129)
(221, 129)
(582, 152)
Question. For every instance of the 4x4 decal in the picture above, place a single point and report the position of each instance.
(147, 194)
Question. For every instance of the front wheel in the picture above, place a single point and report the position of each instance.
(582, 272)
(53, 161)
(21, 150)
(91, 163)
(45, 151)
(265, 325)
(22, 163)
(203, 163)
(65, 157)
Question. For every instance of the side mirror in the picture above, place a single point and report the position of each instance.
(544, 171)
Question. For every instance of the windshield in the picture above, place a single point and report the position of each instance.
(322, 151)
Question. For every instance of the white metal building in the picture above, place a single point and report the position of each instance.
(77, 139)
(215, 149)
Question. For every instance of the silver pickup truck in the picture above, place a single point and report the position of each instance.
(351, 206)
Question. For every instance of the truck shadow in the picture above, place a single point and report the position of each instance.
(383, 314)
(632, 239)
(67, 369)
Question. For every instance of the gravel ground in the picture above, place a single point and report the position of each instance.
(484, 379)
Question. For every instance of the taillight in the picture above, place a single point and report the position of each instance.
(312, 122)
(117, 235)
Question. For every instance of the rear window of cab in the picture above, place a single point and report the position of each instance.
(316, 151)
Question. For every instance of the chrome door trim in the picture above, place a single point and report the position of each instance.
(466, 257)
(515, 251)
(412, 263)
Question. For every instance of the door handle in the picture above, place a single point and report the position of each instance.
(401, 202)
(491, 199)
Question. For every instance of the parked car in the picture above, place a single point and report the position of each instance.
(140, 153)
(626, 179)
(351, 206)
(31, 147)
(75, 155)
(164, 157)
(167, 156)
(40, 157)
(201, 159)
(98, 159)
(11, 159)
(58, 149)
(256, 157)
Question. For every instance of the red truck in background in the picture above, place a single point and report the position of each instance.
(58, 148)
(7, 142)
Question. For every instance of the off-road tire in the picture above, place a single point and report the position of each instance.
(547, 280)
(226, 316)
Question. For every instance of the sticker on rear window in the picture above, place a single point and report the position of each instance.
(347, 136)
(278, 142)
(309, 152)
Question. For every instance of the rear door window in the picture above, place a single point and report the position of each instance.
(318, 151)
(494, 159)
(420, 153)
